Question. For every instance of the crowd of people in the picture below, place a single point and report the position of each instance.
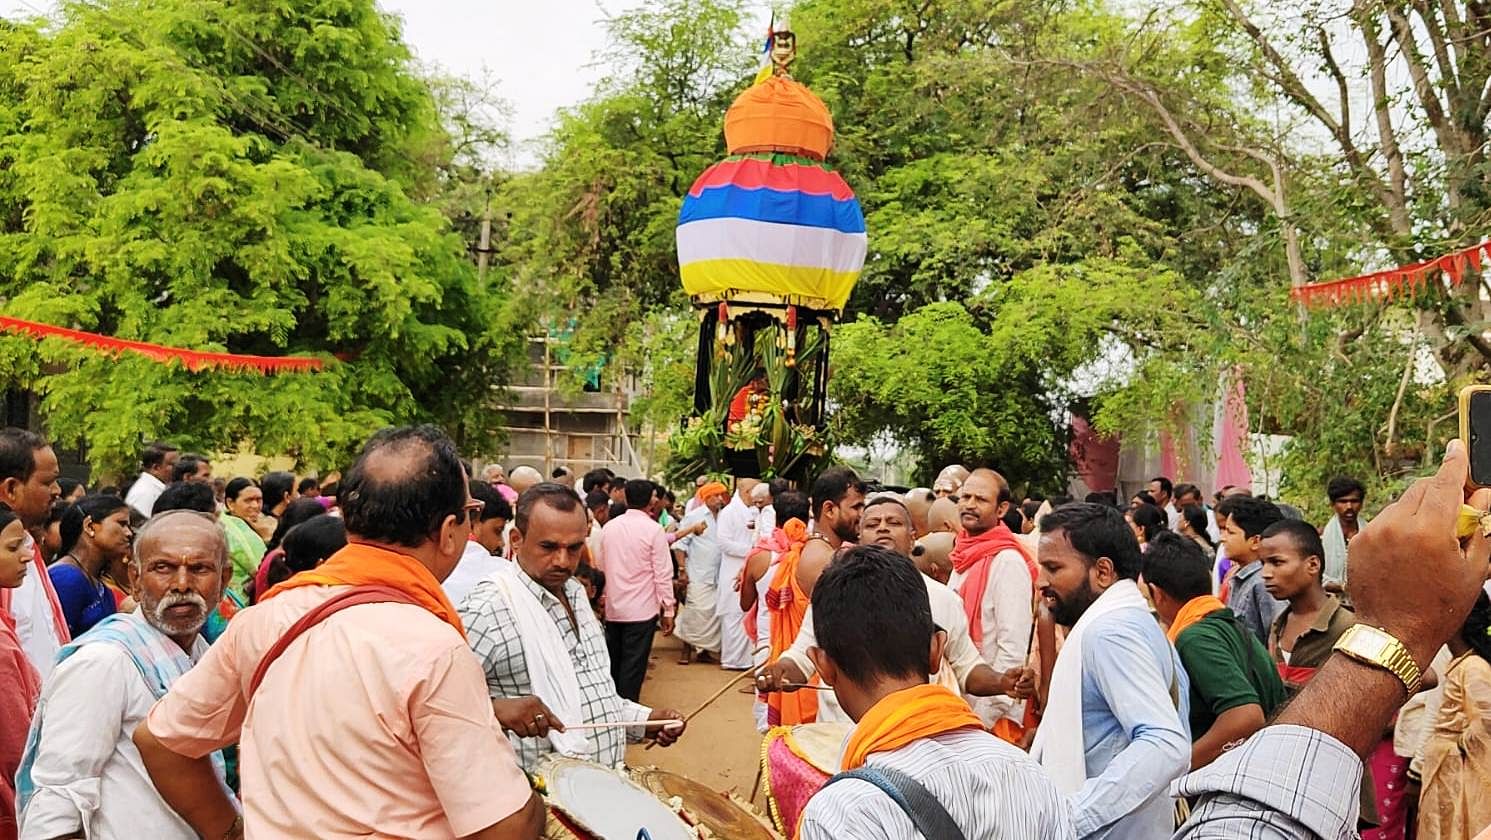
(399, 650)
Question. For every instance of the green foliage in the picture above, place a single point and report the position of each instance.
(590, 236)
(244, 177)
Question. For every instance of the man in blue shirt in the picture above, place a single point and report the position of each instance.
(1114, 734)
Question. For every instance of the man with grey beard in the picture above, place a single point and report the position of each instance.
(81, 775)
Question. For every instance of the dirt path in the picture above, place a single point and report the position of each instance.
(721, 748)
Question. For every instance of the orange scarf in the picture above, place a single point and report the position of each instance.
(972, 556)
(788, 605)
(1195, 609)
(904, 716)
(359, 563)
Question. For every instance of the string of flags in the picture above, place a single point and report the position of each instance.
(193, 360)
(1392, 283)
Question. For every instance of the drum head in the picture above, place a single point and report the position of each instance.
(722, 815)
(607, 805)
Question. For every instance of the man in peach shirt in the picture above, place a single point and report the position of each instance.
(375, 720)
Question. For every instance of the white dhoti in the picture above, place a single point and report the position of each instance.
(735, 645)
(698, 623)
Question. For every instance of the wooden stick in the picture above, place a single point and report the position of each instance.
(616, 723)
(750, 672)
(721, 693)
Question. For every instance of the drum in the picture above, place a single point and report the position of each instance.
(590, 802)
(712, 814)
(795, 762)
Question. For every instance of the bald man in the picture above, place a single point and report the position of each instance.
(950, 481)
(933, 556)
(942, 517)
(412, 711)
(887, 523)
(996, 580)
(522, 478)
(918, 502)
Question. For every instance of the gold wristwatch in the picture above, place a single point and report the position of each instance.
(1376, 646)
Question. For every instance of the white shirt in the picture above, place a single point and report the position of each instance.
(473, 567)
(947, 614)
(990, 788)
(766, 522)
(701, 551)
(1174, 514)
(594, 543)
(88, 775)
(35, 625)
(1007, 612)
(736, 534)
(143, 493)
(1213, 530)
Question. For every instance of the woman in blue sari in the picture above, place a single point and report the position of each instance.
(95, 536)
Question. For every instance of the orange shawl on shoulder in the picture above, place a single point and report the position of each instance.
(788, 605)
(359, 563)
(904, 716)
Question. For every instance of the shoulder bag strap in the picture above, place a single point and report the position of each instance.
(925, 812)
(350, 597)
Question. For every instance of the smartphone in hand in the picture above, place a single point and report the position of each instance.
(1475, 432)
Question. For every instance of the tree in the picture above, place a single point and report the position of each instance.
(589, 240)
(246, 177)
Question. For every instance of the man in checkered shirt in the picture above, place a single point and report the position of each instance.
(549, 534)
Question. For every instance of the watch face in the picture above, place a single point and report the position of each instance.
(1372, 644)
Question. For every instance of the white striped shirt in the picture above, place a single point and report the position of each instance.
(992, 789)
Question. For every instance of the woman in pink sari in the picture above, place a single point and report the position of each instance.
(20, 685)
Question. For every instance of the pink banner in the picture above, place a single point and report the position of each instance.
(1231, 436)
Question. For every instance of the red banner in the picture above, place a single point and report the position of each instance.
(1394, 282)
(193, 360)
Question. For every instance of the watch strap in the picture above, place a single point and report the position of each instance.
(1375, 646)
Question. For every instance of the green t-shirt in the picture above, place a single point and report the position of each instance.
(1227, 668)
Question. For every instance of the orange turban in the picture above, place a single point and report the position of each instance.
(712, 488)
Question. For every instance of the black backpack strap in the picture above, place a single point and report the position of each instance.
(925, 812)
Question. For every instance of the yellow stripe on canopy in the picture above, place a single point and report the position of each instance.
(720, 277)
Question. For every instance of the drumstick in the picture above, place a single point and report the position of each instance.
(813, 686)
(726, 687)
(721, 693)
(615, 723)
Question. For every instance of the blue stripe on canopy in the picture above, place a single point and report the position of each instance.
(768, 205)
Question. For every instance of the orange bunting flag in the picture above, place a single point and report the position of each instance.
(193, 360)
(1382, 286)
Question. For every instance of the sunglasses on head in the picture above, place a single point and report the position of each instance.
(473, 509)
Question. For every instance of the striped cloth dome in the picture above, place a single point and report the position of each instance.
(772, 224)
